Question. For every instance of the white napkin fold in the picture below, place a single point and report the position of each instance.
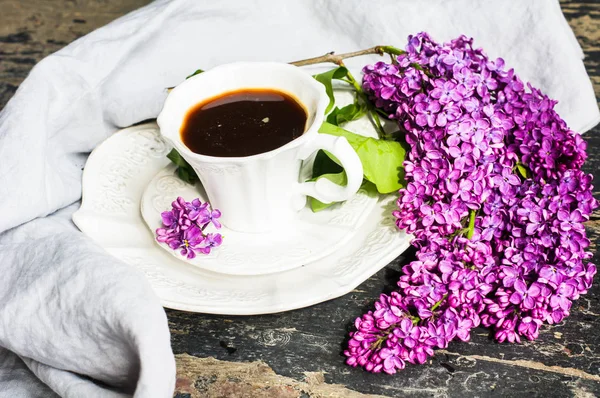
(69, 312)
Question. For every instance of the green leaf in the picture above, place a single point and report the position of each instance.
(197, 72)
(381, 159)
(184, 171)
(176, 158)
(346, 114)
(186, 175)
(368, 186)
(523, 170)
(325, 167)
(339, 178)
(326, 79)
(324, 164)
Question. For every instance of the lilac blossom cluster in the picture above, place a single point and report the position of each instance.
(495, 199)
(184, 227)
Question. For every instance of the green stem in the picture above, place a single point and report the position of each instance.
(471, 229)
(377, 122)
(391, 50)
(370, 108)
(338, 58)
(382, 113)
(419, 67)
(436, 305)
(353, 81)
(204, 227)
(415, 320)
(377, 344)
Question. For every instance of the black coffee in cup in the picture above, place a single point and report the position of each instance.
(243, 123)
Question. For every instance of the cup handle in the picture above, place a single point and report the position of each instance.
(323, 189)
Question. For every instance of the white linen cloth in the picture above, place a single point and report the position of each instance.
(69, 312)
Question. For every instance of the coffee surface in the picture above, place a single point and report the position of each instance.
(243, 123)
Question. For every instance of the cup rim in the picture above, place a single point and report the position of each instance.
(178, 144)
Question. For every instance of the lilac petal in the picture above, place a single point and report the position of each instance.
(441, 120)
(427, 220)
(531, 229)
(449, 59)
(445, 267)
(387, 92)
(562, 215)
(192, 234)
(398, 363)
(520, 286)
(162, 231)
(487, 234)
(168, 218)
(409, 342)
(576, 216)
(513, 180)
(516, 298)
(198, 204)
(508, 281)
(406, 325)
(454, 151)
(421, 120)
(434, 154)
(216, 223)
(451, 186)
(528, 303)
(388, 366)
(555, 301)
(464, 334)
(436, 93)
(389, 317)
(204, 250)
(440, 219)
(534, 290)
(217, 239)
(420, 357)
(434, 107)
(386, 353)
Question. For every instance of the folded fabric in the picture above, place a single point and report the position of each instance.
(74, 320)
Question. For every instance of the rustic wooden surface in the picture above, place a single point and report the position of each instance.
(298, 354)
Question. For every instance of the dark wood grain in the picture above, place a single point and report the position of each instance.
(298, 353)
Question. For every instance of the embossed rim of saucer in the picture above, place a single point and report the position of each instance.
(114, 179)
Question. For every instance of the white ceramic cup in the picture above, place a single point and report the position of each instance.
(261, 192)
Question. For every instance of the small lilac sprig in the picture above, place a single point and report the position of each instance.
(184, 227)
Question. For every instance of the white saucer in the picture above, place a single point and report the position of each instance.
(309, 238)
(114, 180)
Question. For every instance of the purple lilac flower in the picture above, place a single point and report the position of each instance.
(196, 208)
(207, 216)
(187, 242)
(184, 225)
(495, 199)
(210, 241)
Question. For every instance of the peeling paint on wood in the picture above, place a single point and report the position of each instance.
(209, 377)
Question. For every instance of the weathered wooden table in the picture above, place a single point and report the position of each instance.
(298, 353)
